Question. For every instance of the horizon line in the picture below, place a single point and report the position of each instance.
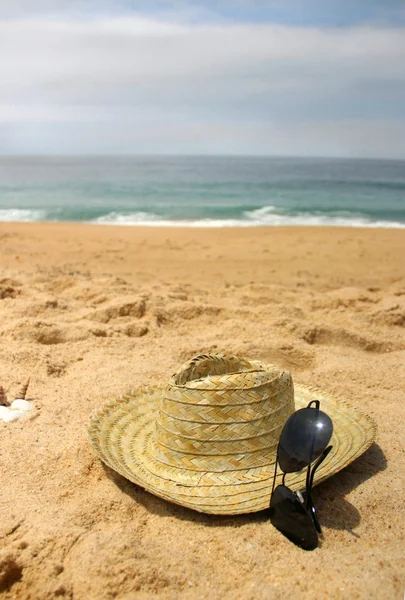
(201, 155)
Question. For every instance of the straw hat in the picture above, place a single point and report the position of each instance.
(208, 439)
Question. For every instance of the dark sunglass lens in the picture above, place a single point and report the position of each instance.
(304, 437)
(289, 516)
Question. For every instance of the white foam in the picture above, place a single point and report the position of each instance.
(267, 216)
(264, 216)
(19, 214)
(261, 212)
(136, 218)
(150, 219)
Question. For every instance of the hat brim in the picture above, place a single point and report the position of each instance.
(121, 433)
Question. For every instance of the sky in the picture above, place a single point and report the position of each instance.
(258, 77)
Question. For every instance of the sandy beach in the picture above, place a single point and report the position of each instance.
(91, 312)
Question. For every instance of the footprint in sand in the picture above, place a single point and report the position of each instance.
(327, 336)
(9, 288)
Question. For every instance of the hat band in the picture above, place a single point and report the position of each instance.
(223, 447)
(220, 431)
(218, 464)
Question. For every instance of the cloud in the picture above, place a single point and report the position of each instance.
(289, 12)
(184, 85)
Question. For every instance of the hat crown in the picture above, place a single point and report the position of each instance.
(222, 413)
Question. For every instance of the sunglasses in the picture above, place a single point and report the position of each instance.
(304, 439)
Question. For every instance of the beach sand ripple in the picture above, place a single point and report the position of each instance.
(88, 325)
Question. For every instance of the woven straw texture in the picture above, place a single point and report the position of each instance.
(208, 439)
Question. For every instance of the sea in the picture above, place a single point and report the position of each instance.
(198, 191)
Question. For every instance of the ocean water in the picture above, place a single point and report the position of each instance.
(203, 191)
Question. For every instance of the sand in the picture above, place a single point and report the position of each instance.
(90, 312)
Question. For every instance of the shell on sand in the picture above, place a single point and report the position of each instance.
(22, 392)
(22, 405)
(17, 410)
(13, 415)
(4, 410)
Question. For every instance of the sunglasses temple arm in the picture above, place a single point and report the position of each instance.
(310, 481)
(275, 474)
(318, 464)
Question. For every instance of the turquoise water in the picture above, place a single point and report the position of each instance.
(207, 191)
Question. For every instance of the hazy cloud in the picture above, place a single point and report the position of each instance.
(139, 84)
(290, 12)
